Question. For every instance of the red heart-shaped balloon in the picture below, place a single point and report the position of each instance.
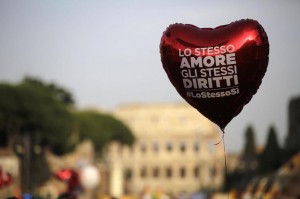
(217, 71)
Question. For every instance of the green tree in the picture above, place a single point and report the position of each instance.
(55, 91)
(9, 122)
(250, 146)
(247, 168)
(34, 108)
(270, 159)
(101, 129)
(292, 142)
(33, 116)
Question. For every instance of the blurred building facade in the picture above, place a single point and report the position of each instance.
(174, 151)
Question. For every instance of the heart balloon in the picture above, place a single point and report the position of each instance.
(216, 70)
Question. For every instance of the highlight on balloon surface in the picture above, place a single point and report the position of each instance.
(216, 70)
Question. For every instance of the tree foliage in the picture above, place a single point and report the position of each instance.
(46, 113)
(34, 108)
(60, 94)
(250, 146)
(101, 129)
(247, 168)
(292, 142)
(35, 115)
(270, 159)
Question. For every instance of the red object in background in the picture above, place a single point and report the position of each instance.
(5, 178)
(216, 70)
(72, 178)
(64, 174)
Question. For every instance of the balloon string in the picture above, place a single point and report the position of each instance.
(222, 138)
(224, 152)
(225, 161)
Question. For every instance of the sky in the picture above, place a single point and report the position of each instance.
(106, 53)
